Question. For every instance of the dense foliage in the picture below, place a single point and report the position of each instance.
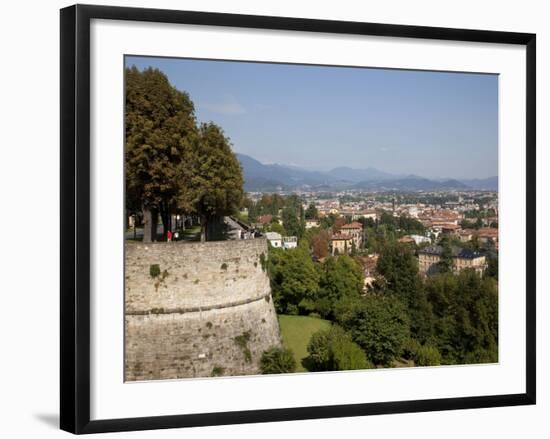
(294, 279)
(465, 309)
(171, 164)
(215, 186)
(277, 360)
(332, 350)
(380, 325)
(447, 318)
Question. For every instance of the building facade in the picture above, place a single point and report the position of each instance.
(355, 230)
(275, 239)
(430, 257)
(341, 244)
(290, 242)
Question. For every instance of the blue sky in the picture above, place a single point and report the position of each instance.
(433, 124)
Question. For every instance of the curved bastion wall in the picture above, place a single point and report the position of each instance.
(206, 310)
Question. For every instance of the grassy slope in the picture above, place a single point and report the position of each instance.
(296, 332)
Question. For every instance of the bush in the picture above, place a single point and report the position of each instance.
(410, 348)
(217, 371)
(333, 349)
(154, 270)
(427, 356)
(277, 360)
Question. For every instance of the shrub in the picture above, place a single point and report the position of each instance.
(333, 349)
(427, 356)
(277, 360)
(242, 341)
(154, 270)
(217, 371)
(224, 266)
(410, 348)
(263, 261)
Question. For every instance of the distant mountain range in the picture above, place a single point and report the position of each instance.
(263, 177)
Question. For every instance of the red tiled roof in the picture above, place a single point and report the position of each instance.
(264, 219)
(353, 225)
(488, 232)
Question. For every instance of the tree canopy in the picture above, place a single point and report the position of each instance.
(171, 164)
(215, 188)
(380, 325)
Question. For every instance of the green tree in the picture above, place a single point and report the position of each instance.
(277, 360)
(398, 268)
(293, 279)
(215, 188)
(445, 264)
(160, 136)
(311, 212)
(338, 278)
(466, 316)
(275, 227)
(492, 265)
(293, 216)
(427, 355)
(320, 243)
(380, 325)
(333, 349)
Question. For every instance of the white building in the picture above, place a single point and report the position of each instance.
(311, 223)
(290, 242)
(419, 239)
(275, 239)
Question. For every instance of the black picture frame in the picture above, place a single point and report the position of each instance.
(75, 217)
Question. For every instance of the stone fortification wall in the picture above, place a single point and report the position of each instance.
(197, 309)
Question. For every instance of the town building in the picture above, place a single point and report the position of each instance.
(419, 239)
(341, 244)
(487, 236)
(265, 219)
(466, 235)
(415, 239)
(355, 230)
(311, 223)
(367, 213)
(290, 242)
(275, 239)
(429, 258)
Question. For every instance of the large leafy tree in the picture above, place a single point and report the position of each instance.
(339, 278)
(294, 280)
(398, 276)
(398, 271)
(293, 216)
(333, 349)
(466, 316)
(380, 325)
(311, 212)
(160, 136)
(215, 187)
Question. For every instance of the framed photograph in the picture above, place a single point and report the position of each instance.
(273, 218)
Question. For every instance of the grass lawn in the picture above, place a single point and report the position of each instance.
(296, 332)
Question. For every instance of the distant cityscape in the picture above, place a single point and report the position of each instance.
(468, 218)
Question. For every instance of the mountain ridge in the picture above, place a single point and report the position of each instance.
(269, 177)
